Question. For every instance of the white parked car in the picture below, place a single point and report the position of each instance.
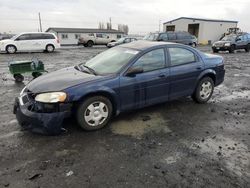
(34, 41)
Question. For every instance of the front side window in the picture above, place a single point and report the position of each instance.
(171, 36)
(179, 56)
(163, 37)
(150, 61)
(24, 37)
(99, 35)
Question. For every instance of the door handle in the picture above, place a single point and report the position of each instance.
(161, 76)
(199, 68)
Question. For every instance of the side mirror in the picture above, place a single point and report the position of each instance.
(159, 39)
(133, 71)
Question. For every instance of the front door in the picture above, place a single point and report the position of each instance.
(149, 87)
(23, 42)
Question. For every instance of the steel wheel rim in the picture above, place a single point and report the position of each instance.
(96, 113)
(50, 48)
(11, 49)
(206, 90)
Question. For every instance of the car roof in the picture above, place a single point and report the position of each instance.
(143, 44)
(35, 33)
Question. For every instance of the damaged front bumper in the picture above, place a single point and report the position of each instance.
(41, 118)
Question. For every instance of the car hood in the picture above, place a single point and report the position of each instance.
(222, 42)
(6, 41)
(60, 80)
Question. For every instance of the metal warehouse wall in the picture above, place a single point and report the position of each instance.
(207, 30)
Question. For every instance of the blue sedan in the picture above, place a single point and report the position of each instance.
(123, 78)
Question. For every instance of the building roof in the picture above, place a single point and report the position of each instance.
(82, 30)
(144, 44)
(201, 19)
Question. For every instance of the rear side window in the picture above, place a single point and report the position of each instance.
(99, 35)
(179, 56)
(171, 36)
(152, 60)
(40, 36)
(181, 36)
(48, 36)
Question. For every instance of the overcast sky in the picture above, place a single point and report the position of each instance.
(141, 16)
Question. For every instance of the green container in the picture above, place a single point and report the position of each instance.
(17, 68)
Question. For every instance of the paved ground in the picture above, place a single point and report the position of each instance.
(176, 144)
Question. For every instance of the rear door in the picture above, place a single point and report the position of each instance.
(149, 87)
(185, 68)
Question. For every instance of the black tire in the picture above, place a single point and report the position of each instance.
(197, 96)
(194, 45)
(36, 74)
(232, 49)
(85, 45)
(215, 51)
(83, 110)
(247, 48)
(18, 77)
(11, 49)
(90, 44)
(50, 48)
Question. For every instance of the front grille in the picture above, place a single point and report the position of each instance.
(219, 45)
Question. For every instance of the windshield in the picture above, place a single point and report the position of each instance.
(229, 38)
(14, 37)
(151, 36)
(111, 61)
(121, 40)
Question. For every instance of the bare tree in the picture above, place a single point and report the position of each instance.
(109, 26)
(124, 28)
(101, 25)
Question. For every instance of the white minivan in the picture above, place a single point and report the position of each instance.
(35, 41)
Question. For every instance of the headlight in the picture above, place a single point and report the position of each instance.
(213, 44)
(227, 44)
(53, 97)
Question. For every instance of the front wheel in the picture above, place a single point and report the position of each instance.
(50, 48)
(204, 90)
(247, 48)
(11, 49)
(94, 113)
(232, 49)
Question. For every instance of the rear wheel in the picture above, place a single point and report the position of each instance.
(204, 90)
(36, 74)
(247, 48)
(50, 48)
(193, 45)
(232, 49)
(90, 43)
(11, 49)
(94, 113)
(215, 51)
(18, 77)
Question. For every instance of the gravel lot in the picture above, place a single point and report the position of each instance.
(176, 144)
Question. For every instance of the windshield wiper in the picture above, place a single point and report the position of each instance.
(90, 70)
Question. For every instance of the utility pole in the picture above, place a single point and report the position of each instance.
(110, 22)
(40, 22)
(159, 25)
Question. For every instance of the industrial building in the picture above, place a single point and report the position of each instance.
(70, 36)
(206, 30)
